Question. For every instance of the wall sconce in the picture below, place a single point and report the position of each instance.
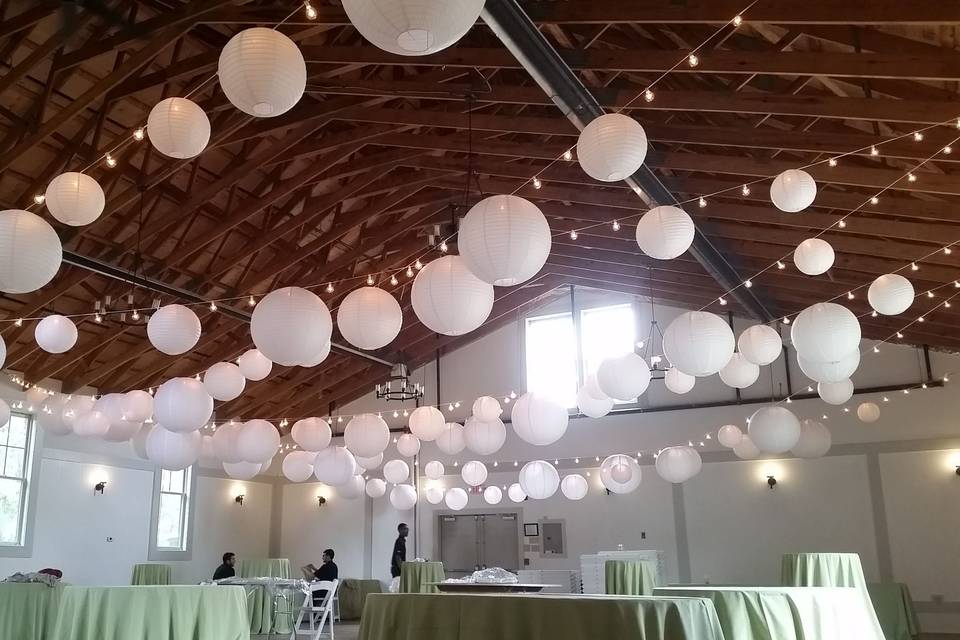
(771, 482)
(958, 469)
(321, 501)
(239, 499)
(99, 487)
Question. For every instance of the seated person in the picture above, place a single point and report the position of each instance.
(226, 570)
(327, 570)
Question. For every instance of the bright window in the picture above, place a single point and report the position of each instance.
(173, 510)
(16, 444)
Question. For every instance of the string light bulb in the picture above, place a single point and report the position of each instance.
(930, 293)
(745, 190)
(251, 302)
(213, 306)
(616, 226)
(914, 267)
(781, 265)
(842, 224)
(948, 150)
(850, 295)
(874, 151)
(138, 134)
(409, 272)
(418, 265)
(97, 318)
(947, 250)
(917, 136)
(568, 155)
(443, 247)
(536, 183)
(722, 301)
(135, 315)
(311, 12)
(370, 281)
(329, 287)
(39, 198)
(911, 177)
(393, 281)
(747, 283)
(832, 162)
(786, 320)
(737, 20)
(111, 161)
(874, 200)
(574, 235)
(702, 202)
(693, 60)
(648, 96)
(19, 322)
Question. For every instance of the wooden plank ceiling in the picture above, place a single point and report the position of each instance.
(355, 177)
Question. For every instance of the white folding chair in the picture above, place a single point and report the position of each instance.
(316, 614)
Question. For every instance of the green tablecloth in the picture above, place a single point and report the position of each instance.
(630, 577)
(894, 607)
(353, 594)
(822, 570)
(144, 574)
(260, 602)
(523, 617)
(38, 612)
(414, 576)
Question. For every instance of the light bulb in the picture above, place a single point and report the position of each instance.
(842, 224)
(786, 320)
(747, 283)
(567, 155)
(930, 294)
(138, 134)
(213, 306)
(648, 96)
(251, 301)
(917, 136)
(914, 267)
(394, 281)
(573, 235)
(536, 183)
(135, 315)
(850, 295)
(409, 272)
(418, 265)
(370, 280)
(111, 161)
(97, 318)
(780, 265)
(873, 314)
(19, 322)
(911, 177)
(616, 226)
(311, 12)
(947, 250)
(737, 20)
(948, 149)
(745, 190)
(874, 200)
(39, 198)
(832, 162)
(513, 394)
(874, 151)
(722, 301)
(329, 287)
(876, 349)
(693, 60)
(443, 247)
(920, 319)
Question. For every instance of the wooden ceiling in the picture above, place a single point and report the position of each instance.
(354, 178)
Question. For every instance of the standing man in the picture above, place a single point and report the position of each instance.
(225, 570)
(399, 550)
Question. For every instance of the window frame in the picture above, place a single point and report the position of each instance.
(29, 492)
(160, 554)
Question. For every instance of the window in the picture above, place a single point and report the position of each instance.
(173, 510)
(16, 455)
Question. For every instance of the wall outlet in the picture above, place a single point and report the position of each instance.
(643, 535)
(109, 538)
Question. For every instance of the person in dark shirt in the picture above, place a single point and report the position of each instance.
(225, 570)
(327, 570)
(399, 550)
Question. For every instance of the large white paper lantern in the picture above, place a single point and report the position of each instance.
(793, 190)
(369, 463)
(376, 488)
(298, 466)
(91, 424)
(678, 382)
(178, 128)
(516, 493)
(242, 470)
(623, 377)
(665, 232)
(504, 240)
(813, 256)
(137, 405)
(262, 72)
(456, 499)
(492, 495)
(223, 381)
(30, 251)
(729, 435)
(225, 442)
(474, 473)
(451, 440)
(312, 434)
(173, 329)
(539, 479)
(426, 423)
(739, 373)
(172, 450)
(590, 406)
(890, 294)
(334, 466)
(369, 318)
(403, 497)
(538, 419)
(835, 392)
(830, 371)
(408, 445)
(698, 343)
(574, 487)
(433, 470)
(774, 429)
(612, 147)
(487, 408)
(352, 488)
(254, 365)
(366, 435)
(760, 344)
(139, 441)
(745, 449)
(55, 334)
(678, 464)
(484, 438)
(75, 407)
(620, 473)
(257, 440)
(868, 412)
(183, 404)
(290, 325)
(396, 471)
(74, 198)
(825, 332)
(449, 299)
(413, 27)
(815, 440)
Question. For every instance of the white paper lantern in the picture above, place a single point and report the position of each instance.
(30, 251)
(474, 473)
(504, 240)
(678, 464)
(456, 499)
(539, 479)
(486, 408)
(35, 397)
(139, 441)
(813, 256)
(815, 440)
(592, 387)
(620, 473)
(74, 199)
(774, 429)
(612, 147)
(225, 442)
(254, 365)
(74, 407)
(745, 449)
(376, 488)
(312, 434)
(739, 373)
(369, 318)
(55, 334)
(793, 190)
(434, 470)
(678, 382)
(3, 352)
(178, 128)
(590, 406)
(174, 329)
(830, 371)
(172, 450)
(835, 392)
(352, 488)
(624, 377)
(868, 412)
(825, 332)
(49, 417)
(182, 404)
(369, 463)
(665, 232)
(223, 381)
(515, 492)
(257, 440)
(413, 27)
(262, 72)
(290, 325)
(121, 429)
(242, 470)
(890, 294)
(449, 299)
(334, 466)
(434, 494)
(408, 445)
(698, 343)
(484, 438)
(538, 419)
(730, 435)
(298, 466)
(137, 405)
(91, 424)
(760, 344)
(396, 471)
(403, 497)
(451, 440)
(574, 487)
(492, 495)
(426, 423)
(366, 435)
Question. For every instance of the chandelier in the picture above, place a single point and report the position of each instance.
(399, 387)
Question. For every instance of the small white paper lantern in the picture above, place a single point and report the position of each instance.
(434, 470)
(408, 445)
(539, 479)
(739, 373)
(298, 466)
(369, 463)
(774, 429)
(624, 377)
(352, 488)
(793, 190)
(746, 450)
(139, 441)
(574, 487)
(49, 418)
(449, 299)
(74, 199)
(451, 440)
(504, 240)
(835, 392)
(172, 450)
(369, 318)
(590, 406)
(434, 494)
(760, 344)
(830, 371)
(334, 466)
(678, 382)
(456, 499)
(592, 387)
(30, 251)
(678, 464)
(698, 343)
(487, 408)
(225, 442)
(516, 493)
(178, 128)
(484, 438)
(376, 488)
(174, 329)
(868, 412)
(223, 381)
(396, 471)
(262, 72)
(366, 435)
(813, 256)
(729, 435)
(665, 232)
(612, 147)
(254, 365)
(492, 495)
(290, 325)
(474, 473)
(891, 294)
(55, 334)
(413, 27)
(426, 423)
(815, 440)
(75, 407)
(538, 419)
(183, 404)
(91, 424)
(825, 332)
(257, 440)
(312, 434)
(137, 405)
(403, 497)
(620, 473)
(242, 470)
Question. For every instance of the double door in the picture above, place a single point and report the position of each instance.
(478, 541)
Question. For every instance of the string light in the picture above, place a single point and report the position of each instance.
(97, 318)
(781, 265)
(443, 246)
(370, 280)
(745, 190)
(930, 293)
(948, 150)
(418, 265)
(138, 134)
(329, 287)
(702, 202)
(914, 267)
(536, 183)
(616, 226)
(648, 96)
(693, 60)
(873, 314)
(394, 281)
(111, 161)
(722, 301)
(135, 315)
(786, 320)
(920, 319)
(19, 322)
(39, 198)
(573, 235)
(850, 295)
(213, 306)
(311, 12)
(832, 162)
(747, 283)
(737, 20)
(567, 155)
(911, 177)
(842, 224)
(947, 250)
(251, 302)
(874, 151)
(876, 349)
(917, 136)
(874, 200)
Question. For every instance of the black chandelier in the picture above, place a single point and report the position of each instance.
(399, 387)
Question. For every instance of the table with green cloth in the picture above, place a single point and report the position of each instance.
(894, 607)
(260, 603)
(144, 574)
(415, 576)
(353, 594)
(401, 616)
(826, 570)
(39, 612)
(630, 577)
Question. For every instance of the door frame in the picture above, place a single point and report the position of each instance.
(515, 511)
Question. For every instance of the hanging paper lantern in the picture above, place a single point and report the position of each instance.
(35, 398)
(729, 435)
(352, 488)
(369, 318)
(91, 424)
(745, 449)
(835, 392)
(815, 440)
(74, 408)
(433, 470)
(760, 344)
(486, 408)
(3, 352)
(891, 294)
(121, 429)
(366, 435)
(492, 495)
(139, 441)
(484, 438)
(137, 405)
(178, 128)
(334, 466)
(55, 334)
(369, 463)
(376, 488)
(739, 373)
(456, 499)
(413, 27)
(574, 487)
(474, 473)
(49, 417)
(612, 147)
(173, 329)
(774, 429)
(74, 198)
(678, 382)
(451, 440)
(289, 325)
(868, 412)
(434, 494)
(403, 497)
(316, 359)
(539, 479)
(396, 471)
(172, 450)
(504, 240)
(254, 365)
(590, 406)
(515, 493)
(830, 371)
(223, 381)
(242, 470)
(449, 299)
(793, 190)
(813, 256)
(678, 464)
(592, 387)
(538, 419)
(262, 72)
(298, 466)
(665, 232)
(620, 473)
(182, 404)
(825, 332)
(257, 441)
(426, 423)
(312, 434)
(30, 251)
(624, 377)
(408, 445)
(698, 343)
(225, 442)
